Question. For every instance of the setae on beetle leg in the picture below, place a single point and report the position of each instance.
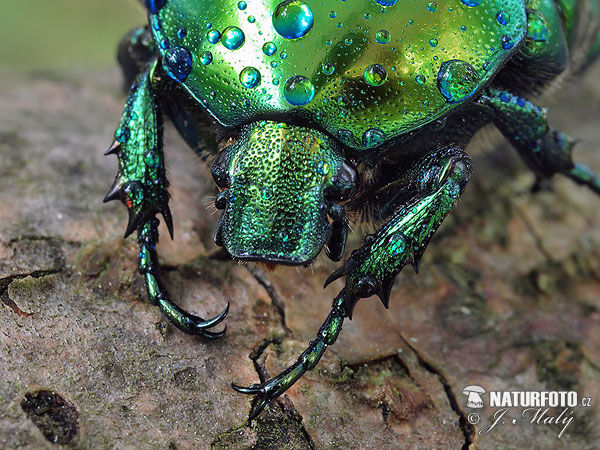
(141, 185)
(546, 151)
(438, 180)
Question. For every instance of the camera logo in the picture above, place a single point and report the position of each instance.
(473, 394)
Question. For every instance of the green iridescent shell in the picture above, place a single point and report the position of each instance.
(364, 70)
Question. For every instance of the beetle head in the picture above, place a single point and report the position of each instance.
(279, 185)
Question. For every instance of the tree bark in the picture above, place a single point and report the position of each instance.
(507, 298)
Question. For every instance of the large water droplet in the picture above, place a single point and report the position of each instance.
(298, 90)
(233, 38)
(292, 19)
(250, 77)
(471, 3)
(375, 75)
(373, 138)
(457, 80)
(387, 2)
(178, 63)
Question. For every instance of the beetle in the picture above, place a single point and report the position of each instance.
(310, 112)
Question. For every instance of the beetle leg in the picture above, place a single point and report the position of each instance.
(141, 185)
(273, 388)
(148, 267)
(546, 151)
(439, 178)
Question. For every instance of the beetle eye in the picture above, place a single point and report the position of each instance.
(219, 170)
(342, 184)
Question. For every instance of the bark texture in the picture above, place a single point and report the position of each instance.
(507, 298)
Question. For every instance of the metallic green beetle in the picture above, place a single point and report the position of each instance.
(311, 110)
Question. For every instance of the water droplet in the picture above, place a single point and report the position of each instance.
(328, 68)
(213, 36)
(420, 79)
(250, 77)
(396, 244)
(432, 7)
(293, 19)
(502, 17)
(507, 42)
(164, 43)
(386, 2)
(382, 37)
(242, 5)
(151, 159)
(122, 134)
(366, 16)
(340, 25)
(463, 28)
(206, 58)
(348, 41)
(433, 42)
(233, 38)
(269, 48)
(332, 14)
(471, 3)
(373, 138)
(298, 90)
(181, 33)
(252, 19)
(154, 5)
(345, 136)
(283, 55)
(375, 75)
(178, 63)
(457, 80)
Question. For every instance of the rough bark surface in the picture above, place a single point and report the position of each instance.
(507, 298)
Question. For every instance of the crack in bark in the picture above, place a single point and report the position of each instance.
(537, 240)
(287, 408)
(6, 281)
(466, 427)
(276, 299)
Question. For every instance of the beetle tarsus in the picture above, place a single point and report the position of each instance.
(157, 293)
(276, 386)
